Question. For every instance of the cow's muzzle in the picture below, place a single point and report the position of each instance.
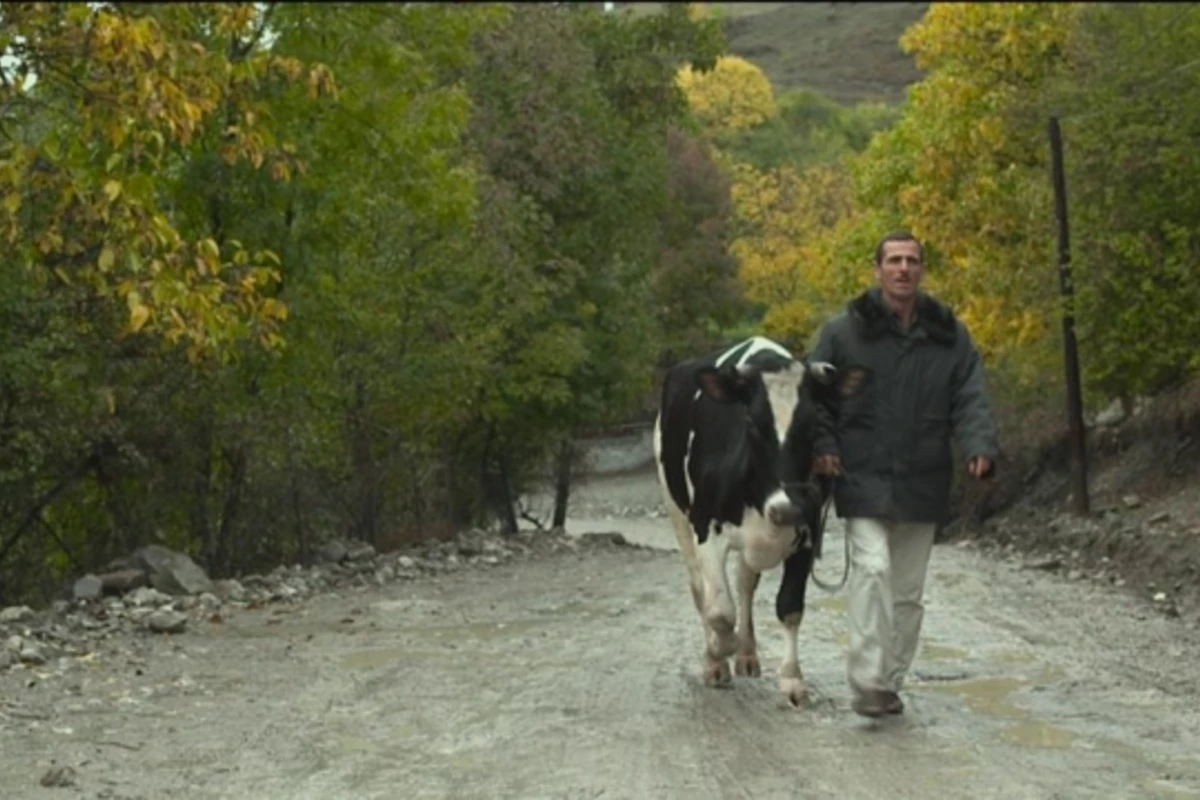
(785, 516)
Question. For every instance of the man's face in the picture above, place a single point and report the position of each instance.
(900, 270)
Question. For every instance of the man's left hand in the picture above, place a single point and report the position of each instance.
(979, 466)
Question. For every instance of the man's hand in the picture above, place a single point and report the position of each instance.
(979, 466)
(828, 465)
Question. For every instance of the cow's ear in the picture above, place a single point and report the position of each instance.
(724, 385)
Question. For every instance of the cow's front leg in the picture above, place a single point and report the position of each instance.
(746, 662)
(718, 609)
(789, 608)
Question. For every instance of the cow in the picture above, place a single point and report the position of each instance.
(733, 442)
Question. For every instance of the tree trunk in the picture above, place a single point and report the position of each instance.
(508, 510)
(202, 485)
(364, 467)
(238, 462)
(562, 481)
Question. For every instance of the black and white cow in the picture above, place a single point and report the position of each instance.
(734, 445)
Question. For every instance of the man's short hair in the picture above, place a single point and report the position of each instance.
(898, 236)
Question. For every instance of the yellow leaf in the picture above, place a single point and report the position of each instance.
(113, 190)
(106, 259)
(208, 249)
(138, 316)
(12, 202)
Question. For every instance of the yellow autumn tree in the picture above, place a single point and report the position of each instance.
(797, 235)
(101, 104)
(965, 169)
(733, 96)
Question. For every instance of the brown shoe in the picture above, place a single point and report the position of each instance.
(876, 703)
(871, 703)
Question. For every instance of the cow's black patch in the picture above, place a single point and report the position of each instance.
(718, 430)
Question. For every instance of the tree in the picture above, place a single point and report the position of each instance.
(733, 96)
(695, 288)
(100, 107)
(1133, 171)
(966, 167)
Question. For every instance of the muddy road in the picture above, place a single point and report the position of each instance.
(577, 676)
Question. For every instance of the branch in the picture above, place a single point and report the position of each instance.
(238, 52)
(35, 513)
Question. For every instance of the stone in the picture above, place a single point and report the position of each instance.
(32, 653)
(89, 587)
(13, 614)
(58, 777)
(332, 552)
(172, 572)
(230, 590)
(124, 580)
(360, 551)
(166, 621)
(145, 596)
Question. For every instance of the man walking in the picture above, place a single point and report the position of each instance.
(889, 446)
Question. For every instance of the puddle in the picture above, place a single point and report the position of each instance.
(938, 652)
(991, 695)
(1038, 735)
(1012, 657)
(984, 695)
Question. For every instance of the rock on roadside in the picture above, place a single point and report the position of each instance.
(158, 591)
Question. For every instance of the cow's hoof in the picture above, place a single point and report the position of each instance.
(793, 691)
(721, 645)
(716, 672)
(747, 664)
(722, 642)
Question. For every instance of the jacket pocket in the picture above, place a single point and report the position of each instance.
(931, 445)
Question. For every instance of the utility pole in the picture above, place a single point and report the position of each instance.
(1079, 480)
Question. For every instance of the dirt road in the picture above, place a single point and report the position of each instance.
(576, 676)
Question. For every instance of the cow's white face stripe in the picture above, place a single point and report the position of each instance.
(782, 394)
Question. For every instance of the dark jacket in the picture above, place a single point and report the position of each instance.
(924, 390)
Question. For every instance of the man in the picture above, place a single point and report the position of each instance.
(888, 448)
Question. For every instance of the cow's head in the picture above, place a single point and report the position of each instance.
(779, 396)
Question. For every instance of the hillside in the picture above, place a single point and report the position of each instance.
(847, 51)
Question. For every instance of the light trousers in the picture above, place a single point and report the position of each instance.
(888, 564)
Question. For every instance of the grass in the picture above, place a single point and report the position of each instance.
(847, 51)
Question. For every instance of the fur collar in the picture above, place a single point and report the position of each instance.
(936, 319)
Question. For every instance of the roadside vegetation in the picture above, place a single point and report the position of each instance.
(276, 273)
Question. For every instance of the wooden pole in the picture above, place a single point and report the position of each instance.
(1079, 481)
